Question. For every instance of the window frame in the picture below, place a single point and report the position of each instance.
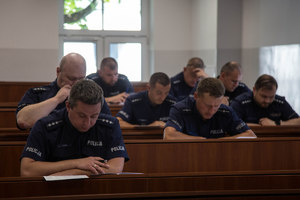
(102, 38)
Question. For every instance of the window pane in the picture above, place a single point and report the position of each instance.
(128, 56)
(122, 15)
(87, 50)
(93, 19)
(283, 63)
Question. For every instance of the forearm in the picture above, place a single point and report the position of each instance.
(295, 121)
(115, 165)
(30, 167)
(27, 116)
(171, 133)
(158, 123)
(124, 124)
(72, 172)
(246, 134)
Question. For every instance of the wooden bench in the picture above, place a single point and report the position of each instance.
(267, 185)
(12, 92)
(141, 132)
(214, 155)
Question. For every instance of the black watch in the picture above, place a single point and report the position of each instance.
(277, 122)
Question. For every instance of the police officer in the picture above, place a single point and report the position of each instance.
(231, 76)
(116, 87)
(204, 116)
(263, 106)
(149, 107)
(41, 101)
(183, 83)
(76, 139)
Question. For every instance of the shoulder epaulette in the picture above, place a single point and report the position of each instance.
(279, 101)
(136, 100)
(223, 110)
(53, 124)
(40, 89)
(171, 101)
(246, 101)
(106, 121)
(176, 81)
(186, 110)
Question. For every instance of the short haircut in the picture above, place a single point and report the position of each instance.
(265, 81)
(196, 63)
(159, 77)
(69, 57)
(86, 91)
(213, 86)
(230, 67)
(109, 62)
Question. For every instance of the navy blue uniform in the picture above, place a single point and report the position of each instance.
(39, 94)
(240, 89)
(139, 110)
(53, 138)
(249, 111)
(185, 118)
(122, 85)
(179, 89)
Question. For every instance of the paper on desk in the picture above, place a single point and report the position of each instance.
(58, 178)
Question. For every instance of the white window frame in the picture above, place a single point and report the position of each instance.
(103, 38)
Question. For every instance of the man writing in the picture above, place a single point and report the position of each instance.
(75, 140)
(204, 115)
(263, 106)
(116, 87)
(149, 107)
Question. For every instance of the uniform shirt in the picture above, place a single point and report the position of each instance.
(39, 94)
(122, 85)
(53, 138)
(139, 110)
(248, 110)
(240, 89)
(185, 118)
(179, 89)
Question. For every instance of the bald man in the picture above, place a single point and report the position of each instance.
(41, 101)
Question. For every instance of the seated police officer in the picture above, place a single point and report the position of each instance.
(183, 83)
(41, 101)
(231, 76)
(204, 115)
(263, 106)
(116, 87)
(76, 139)
(149, 107)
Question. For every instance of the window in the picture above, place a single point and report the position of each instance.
(115, 28)
(282, 62)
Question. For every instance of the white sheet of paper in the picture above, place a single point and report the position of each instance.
(57, 178)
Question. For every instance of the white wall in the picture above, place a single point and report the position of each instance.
(171, 35)
(214, 30)
(267, 23)
(28, 40)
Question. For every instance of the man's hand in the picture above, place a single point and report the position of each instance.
(158, 123)
(200, 73)
(225, 101)
(63, 93)
(95, 165)
(267, 122)
(118, 99)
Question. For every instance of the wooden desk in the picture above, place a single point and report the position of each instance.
(142, 133)
(215, 155)
(276, 131)
(268, 185)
